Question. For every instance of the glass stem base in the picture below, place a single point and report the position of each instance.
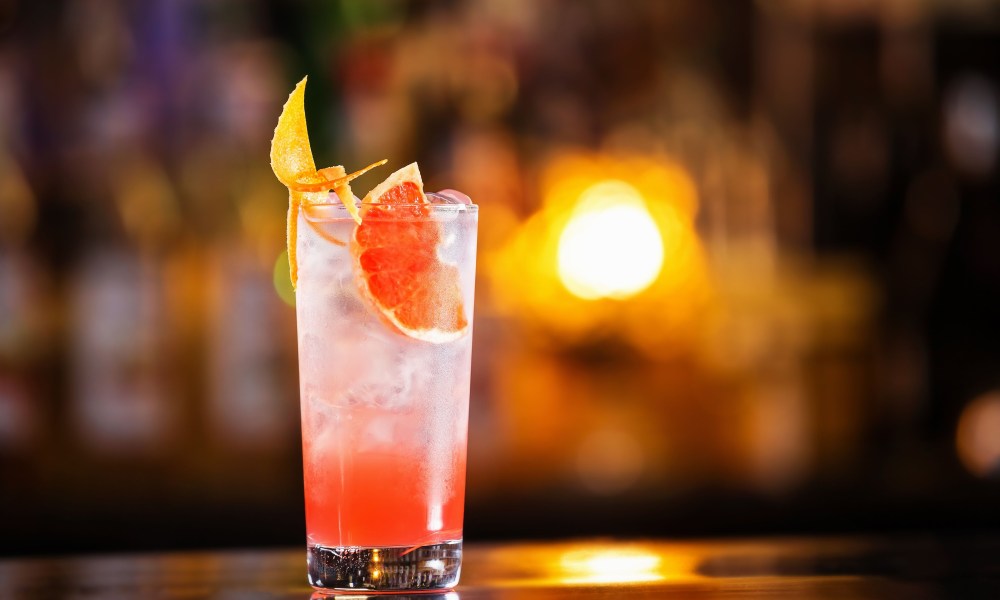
(432, 567)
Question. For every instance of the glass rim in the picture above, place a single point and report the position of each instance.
(339, 206)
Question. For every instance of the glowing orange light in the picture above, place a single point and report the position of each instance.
(610, 566)
(611, 246)
(609, 228)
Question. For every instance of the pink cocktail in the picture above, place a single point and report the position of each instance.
(385, 403)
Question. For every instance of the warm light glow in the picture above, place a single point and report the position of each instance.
(608, 227)
(611, 566)
(611, 247)
(978, 436)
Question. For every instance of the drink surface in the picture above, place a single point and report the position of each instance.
(384, 415)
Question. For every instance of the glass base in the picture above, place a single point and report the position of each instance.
(432, 567)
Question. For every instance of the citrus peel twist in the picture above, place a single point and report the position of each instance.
(293, 165)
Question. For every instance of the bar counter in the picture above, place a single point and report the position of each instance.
(916, 567)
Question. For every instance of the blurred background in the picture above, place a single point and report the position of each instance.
(739, 263)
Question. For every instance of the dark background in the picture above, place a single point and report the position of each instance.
(819, 353)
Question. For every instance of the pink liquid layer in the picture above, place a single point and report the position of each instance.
(379, 499)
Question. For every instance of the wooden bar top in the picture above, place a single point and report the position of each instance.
(902, 567)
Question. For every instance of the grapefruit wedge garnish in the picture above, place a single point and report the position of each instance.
(293, 165)
(399, 271)
(395, 241)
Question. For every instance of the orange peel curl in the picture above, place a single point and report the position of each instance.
(293, 164)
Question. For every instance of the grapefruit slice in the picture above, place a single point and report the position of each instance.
(395, 250)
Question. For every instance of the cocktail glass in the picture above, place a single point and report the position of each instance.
(384, 413)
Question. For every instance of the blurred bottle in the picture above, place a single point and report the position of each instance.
(251, 400)
(21, 319)
(249, 410)
(119, 339)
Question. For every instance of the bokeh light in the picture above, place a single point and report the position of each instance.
(283, 279)
(978, 437)
(613, 250)
(972, 124)
(611, 247)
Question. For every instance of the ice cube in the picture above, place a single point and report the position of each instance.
(381, 377)
(449, 197)
(347, 304)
